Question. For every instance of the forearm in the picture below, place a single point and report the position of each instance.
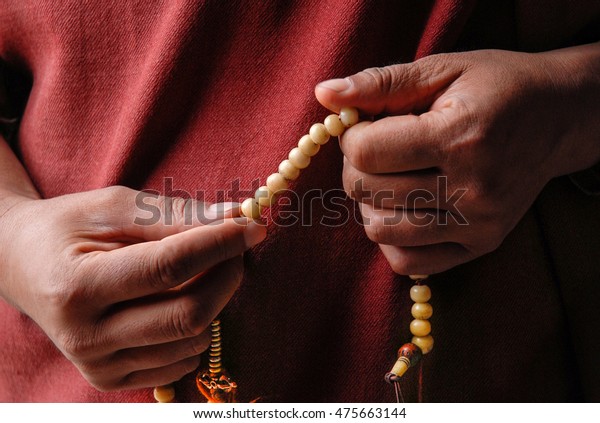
(15, 184)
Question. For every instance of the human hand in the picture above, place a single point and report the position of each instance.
(496, 125)
(128, 303)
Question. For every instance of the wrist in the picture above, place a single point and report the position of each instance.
(575, 75)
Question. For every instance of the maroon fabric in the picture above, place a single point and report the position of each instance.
(212, 95)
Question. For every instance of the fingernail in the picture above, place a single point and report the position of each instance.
(218, 210)
(337, 85)
(254, 234)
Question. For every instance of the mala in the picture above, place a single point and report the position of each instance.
(214, 383)
(421, 343)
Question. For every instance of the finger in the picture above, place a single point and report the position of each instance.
(425, 260)
(179, 314)
(413, 190)
(127, 214)
(160, 355)
(161, 375)
(399, 143)
(123, 362)
(397, 89)
(146, 268)
(410, 228)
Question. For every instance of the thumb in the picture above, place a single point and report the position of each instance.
(396, 89)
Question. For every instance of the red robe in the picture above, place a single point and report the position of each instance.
(213, 95)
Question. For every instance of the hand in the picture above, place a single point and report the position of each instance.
(128, 303)
(464, 144)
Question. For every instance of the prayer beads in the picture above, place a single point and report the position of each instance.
(422, 342)
(298, 159)
(164, 393)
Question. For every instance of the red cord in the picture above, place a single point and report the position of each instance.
(420, 386)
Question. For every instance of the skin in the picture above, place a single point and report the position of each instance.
(497, 125)
(130, 304)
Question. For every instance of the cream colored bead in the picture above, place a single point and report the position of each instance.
(319, 134)
(250, 208)
(288, 170)
(334, 125)
(276, 183)
(420, 293)
(400, 366)
(418, 277)
(307, 146)
(264, 196)
(164, 393)
(298, 158)
(420, 327)
(421, 310)
(349, 116)
(423, 342)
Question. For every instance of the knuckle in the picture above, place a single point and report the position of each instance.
(189, 365)
(103, 385)
(115, 194)
(388, 230)
(190, 318)
(75, 346)
(381, 77)
(359, 154)
(166, 270)
(376, 231)
(405, 263)
(64, 295)
(401, 263)
(179, 209)
(201, 343)
(221, 247)
(352, 184)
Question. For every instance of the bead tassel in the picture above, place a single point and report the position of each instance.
(421, 343)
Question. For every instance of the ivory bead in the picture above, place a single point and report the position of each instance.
(423, 342)
(264, 196)
(319, 134)
(164, 393)
(421, 310)
(418, 277)
(420, 327)
(298, 158)
(308, 146)
(276, 183)
(250, 208)
(348, 116)
(288, 170)
(420, 293)
(334, 125)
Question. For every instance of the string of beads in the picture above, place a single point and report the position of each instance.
(214, 384)
(298, 159)
(421, 343)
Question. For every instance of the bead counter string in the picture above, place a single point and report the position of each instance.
(422, 342)
(214, 383)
